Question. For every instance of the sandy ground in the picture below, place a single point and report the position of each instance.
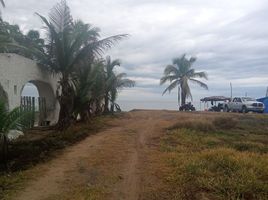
(113, 164)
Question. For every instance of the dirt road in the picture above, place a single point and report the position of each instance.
(113, 164)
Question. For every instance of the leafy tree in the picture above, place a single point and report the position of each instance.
(12, 40)
(179, 74)
(69, 43)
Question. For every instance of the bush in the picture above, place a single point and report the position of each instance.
(225, 123)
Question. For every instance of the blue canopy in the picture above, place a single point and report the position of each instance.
(264, 100)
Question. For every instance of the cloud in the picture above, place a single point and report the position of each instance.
(230, 39)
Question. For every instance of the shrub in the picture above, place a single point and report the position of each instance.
(225, 123)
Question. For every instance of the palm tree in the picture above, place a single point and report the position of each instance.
(179, 74)
(118, 83)
(113, 83)
(109, 78)
(89, 90)
(69, 43)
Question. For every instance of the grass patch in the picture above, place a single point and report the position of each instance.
(220, 173)
(197, 125)
(225, 122)
(218, 157)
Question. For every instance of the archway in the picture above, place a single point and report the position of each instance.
(38, 97)
(30, 101)
(16, 71)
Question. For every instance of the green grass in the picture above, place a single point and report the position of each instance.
(218, 158)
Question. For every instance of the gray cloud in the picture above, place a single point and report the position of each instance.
(230, 39)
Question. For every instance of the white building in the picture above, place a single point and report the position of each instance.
(16, 71)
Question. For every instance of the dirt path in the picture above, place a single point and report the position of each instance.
(109, 165)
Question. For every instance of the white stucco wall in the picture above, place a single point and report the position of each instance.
(16, 71)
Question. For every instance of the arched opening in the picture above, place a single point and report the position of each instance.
(38, 96)
(30, 101)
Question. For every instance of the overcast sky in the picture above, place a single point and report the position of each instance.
(229, 38)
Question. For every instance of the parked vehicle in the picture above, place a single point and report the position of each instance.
(187, 107)
(244, 105)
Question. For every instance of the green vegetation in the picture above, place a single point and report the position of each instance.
(179, 74)
(221, 158)
(16, 119)
(113, 82)
(72, 47)
(73, 51)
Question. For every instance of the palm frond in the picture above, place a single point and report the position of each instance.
(192, 60)
(171, 86)
(15, 119)
(107, 43)
(171, 70)
(201, 84)
(122, 83)
(60, 17)
(200, 75)
(169, 78)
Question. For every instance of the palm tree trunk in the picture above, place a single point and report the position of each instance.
(106, 103)
(112, 107)
(4, 151)
(66, 105)
(183, 97)
(179, 96)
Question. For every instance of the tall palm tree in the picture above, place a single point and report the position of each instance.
(179, 74)
(109, 78)
(113, 83)
(69, 43)
(118, 83)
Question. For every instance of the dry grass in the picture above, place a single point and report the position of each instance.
(27, 151)
(217, 157)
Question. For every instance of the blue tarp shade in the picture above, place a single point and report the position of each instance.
(264, 100)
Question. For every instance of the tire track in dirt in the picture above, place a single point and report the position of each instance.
(117, 152)
(145, 126)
